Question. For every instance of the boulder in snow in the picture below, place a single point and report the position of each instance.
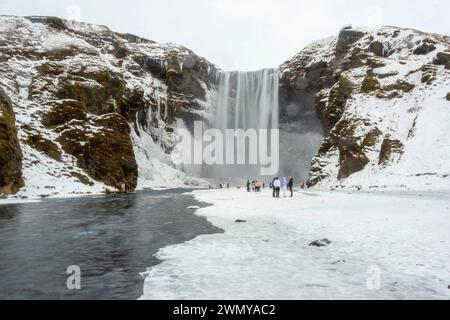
(321, 243)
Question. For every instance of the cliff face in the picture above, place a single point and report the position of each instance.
(84, 109)
(86, 99)
(381, 97)
(10, 152)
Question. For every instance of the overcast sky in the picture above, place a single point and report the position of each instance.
(241, 34)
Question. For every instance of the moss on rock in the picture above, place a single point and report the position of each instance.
(82, 178)
(351, 160)
(429, 73)
(442, 59)
(389, 149)
(370, 84)
(371, 139)
(103, 149)
(10, 152)
(64, 111)
(41, 144)
(100, 90)
(331, 111)
(401, 85)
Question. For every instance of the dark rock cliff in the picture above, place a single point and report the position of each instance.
(340, 76)
(10, 152)
(81, 89)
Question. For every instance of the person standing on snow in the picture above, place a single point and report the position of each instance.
(284, 186)
(277, 187)
(248, 186)
(291, 186)
(272, 186)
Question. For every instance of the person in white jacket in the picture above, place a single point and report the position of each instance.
(277, 187)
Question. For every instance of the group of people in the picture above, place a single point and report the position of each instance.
(282, 185)
(255, 186)
(277, 185)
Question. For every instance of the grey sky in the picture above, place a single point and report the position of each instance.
(241, 34)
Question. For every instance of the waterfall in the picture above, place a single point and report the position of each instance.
(245, 100)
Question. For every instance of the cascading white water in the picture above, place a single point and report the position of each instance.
(245, 100)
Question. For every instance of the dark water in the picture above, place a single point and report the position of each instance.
(111, 238)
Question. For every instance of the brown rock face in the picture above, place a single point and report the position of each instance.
(346, 38)
(43, 145)
(370, 84)
(10, 152)
(103, 148)
(389, 149)
(442, 59)
(348, 69)
(64, 111)
(103, 98)
(88, 91)
(426, 47)
(330, 110)
(352, 159)
(429, 73)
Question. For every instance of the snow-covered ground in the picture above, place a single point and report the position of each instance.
(392, 245)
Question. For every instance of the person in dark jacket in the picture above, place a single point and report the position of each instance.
(248, 186)
(291, 186)
(273, 187)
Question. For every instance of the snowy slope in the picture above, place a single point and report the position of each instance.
(378, 88)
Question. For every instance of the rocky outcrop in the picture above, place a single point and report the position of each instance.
(346, 38)
(380, 49)
(355, 80)
(426, 46)
(103, 148)
(41, 144)
(331, 107)
(62, 112)
(442, 59)
(389, 150)
(10, 151)
(83, 90)
(98, 106)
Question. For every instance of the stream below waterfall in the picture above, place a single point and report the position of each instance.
(111, 238)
